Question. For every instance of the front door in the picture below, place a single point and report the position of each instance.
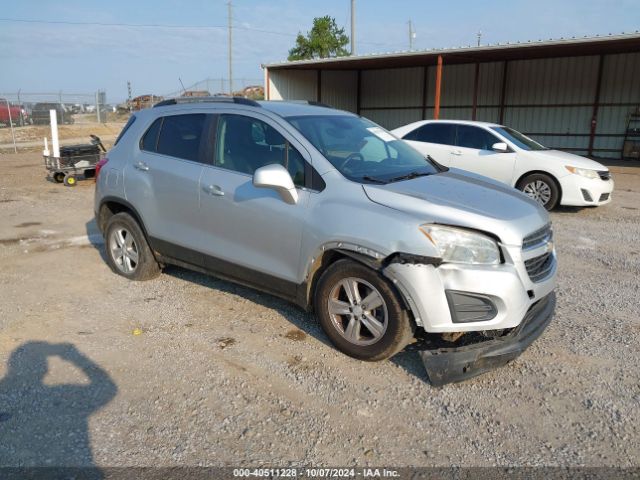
(253, 235)
(473, 152)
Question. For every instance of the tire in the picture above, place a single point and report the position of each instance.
(541, 188)
(394, 327)
(123, 230)
(58, 177)
(70, 181)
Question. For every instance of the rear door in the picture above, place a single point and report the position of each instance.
(162, 182)
(435, 139)
(473, 152)
(252, 234)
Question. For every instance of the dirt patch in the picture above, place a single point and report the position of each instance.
(225, 342)
(295, 335)
(27, 224)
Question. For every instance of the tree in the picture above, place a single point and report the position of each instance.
(324, 40)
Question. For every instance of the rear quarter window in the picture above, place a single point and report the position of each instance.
(126, 127)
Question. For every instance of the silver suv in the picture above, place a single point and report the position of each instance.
(332, 212)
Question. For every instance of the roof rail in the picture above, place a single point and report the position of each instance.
(310, 102)
(213, 99)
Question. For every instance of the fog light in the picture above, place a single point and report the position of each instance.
(470, 307)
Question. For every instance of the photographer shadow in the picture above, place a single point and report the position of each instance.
(47, 425)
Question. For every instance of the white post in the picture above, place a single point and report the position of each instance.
(53, 115)
(13, 135)
(45, 152)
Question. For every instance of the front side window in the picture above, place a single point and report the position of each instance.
(181, 135)
(245, 144)
(521, 140)
(474, 137)
(440, 133)
(361, 150)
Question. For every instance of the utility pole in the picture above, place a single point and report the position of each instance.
(412, 35)
(479, 35)
(230, 52)
(129, 98)
(353, 27)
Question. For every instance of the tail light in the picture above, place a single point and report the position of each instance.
(101, 163)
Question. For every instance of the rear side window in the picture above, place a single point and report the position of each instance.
(181, 135)
(474, 137)
(441, 133)
(132, 119)
(149, 141)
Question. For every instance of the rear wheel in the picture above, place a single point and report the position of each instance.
(541, 188)
(58, 177)
(360, 312)
(128, 253)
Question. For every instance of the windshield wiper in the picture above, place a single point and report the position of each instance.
(374, 180)
(409, 176)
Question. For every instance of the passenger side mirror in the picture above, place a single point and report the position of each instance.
(500, 147)
(276, 177)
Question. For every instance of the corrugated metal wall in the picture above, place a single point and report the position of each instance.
(550, 99)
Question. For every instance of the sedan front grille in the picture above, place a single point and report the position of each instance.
(539, 267)
(604, 174)
(537, 238)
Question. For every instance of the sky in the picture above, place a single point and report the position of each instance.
(72, 56)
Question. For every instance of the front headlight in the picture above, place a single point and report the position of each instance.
(462, 246)
(584, 172)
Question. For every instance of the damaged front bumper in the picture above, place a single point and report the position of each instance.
(447, 365)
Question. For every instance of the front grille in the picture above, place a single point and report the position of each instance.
(537, 238)
(604, 174)
(539, 267)
(604, 196)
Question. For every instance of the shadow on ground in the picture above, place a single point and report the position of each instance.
(47, 425)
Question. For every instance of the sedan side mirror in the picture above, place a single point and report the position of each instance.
(276, 177)
(500, 147)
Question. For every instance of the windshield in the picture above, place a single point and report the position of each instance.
(361, 150)
(522, 141)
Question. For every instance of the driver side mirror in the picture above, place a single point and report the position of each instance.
(276, 177)
(500, 147)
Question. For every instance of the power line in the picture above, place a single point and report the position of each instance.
(162, 25)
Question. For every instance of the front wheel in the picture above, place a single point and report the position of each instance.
(541, 188)
(360, 312)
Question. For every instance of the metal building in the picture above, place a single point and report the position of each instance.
(572, 94)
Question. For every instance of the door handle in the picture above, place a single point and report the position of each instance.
(140, 165)
(213, 190)
(456, 152)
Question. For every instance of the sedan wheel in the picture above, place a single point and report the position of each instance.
(539, 191)
(358, 311)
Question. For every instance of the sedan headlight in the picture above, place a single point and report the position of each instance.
(462, 246)
(584, 172)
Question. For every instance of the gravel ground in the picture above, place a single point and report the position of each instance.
(191, 370)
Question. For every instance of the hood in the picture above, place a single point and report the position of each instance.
(466, 200)
(566, 159)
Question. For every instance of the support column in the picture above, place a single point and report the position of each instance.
(596, 106)
(425, 89)
(503, 91)
(476, 82)
(319, 86)
(436, 107)
(358, 90)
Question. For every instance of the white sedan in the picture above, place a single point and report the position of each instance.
(549, 176)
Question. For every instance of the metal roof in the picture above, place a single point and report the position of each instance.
(562, 47)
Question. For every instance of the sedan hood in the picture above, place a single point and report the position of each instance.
(566, 158)
(466, 200)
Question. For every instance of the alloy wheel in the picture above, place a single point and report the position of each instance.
(358, 311)
(124, 250)
(539, 191)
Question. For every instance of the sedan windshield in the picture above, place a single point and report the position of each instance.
(361, 150)
(521, 140)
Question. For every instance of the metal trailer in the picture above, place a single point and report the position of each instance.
(75, 160)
